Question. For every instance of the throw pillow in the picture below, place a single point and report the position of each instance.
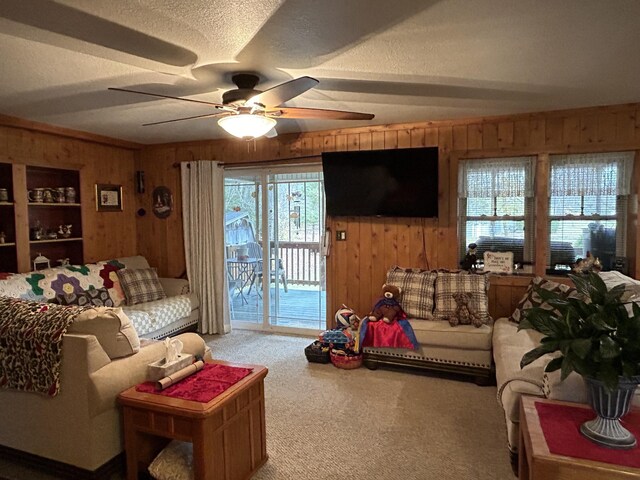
(532, 299)
(174, 462)
(97, 297)
(141, 285)
(111, 327)
(417, 288)
(448, 284)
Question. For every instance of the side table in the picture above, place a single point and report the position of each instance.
(536, 462)
(228, 433)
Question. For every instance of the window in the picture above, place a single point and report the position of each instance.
(589, 195)
(496, 206)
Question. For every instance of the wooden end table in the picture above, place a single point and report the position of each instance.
(536, 462)
(228, 433)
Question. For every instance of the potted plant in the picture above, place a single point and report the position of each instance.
(598, 337)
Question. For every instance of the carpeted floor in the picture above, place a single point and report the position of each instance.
(327, 423)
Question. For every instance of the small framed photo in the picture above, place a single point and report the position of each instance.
(108, 198)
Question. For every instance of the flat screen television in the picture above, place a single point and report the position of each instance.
(382, 183)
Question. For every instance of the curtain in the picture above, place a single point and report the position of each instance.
(591, 174)
(496, 177)
(203, 221)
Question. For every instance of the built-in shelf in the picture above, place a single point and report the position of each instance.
(56, 240)
(6, 204)
(7, 244)
(53, 204)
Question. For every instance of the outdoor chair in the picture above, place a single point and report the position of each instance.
(255, 251)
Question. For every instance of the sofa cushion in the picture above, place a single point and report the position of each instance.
(418, 287)
(151, 316)
(449, 283)
(111, 327)
(440, 334)
(531, 299)
(97, 297)
(141, 285)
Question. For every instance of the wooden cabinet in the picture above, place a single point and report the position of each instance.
(35, 222)
(55, 217)
(8, 252)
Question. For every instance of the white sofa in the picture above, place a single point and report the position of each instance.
(80, 428)
(180, 311)
(509, 345)
(460, 349)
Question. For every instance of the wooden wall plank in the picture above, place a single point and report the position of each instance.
(505, 134)
(489, 135)
(418, 137)
(391, 139)
(537, 133)
(553, 131)
(459, 137)
(366, 289)
(521, 135)
(404, 138)
(474, 136)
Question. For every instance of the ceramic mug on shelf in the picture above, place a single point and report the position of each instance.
(59, 195)
(70, 193)
(36, 195)
(47, 195)
(4, 195)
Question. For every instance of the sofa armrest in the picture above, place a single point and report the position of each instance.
(571, 389)
(83, 351)
(125, 372)
(174, 286)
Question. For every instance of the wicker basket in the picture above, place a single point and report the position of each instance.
(346, 362)
(317, 353)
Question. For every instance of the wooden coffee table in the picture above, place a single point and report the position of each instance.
(228, 433)
(536, 462)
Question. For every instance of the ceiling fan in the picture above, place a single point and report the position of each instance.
(249, 113)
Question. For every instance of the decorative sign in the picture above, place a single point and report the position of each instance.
(499, 262)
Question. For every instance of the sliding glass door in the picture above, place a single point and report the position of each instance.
(275, 266)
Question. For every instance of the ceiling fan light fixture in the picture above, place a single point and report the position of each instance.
(246, 125)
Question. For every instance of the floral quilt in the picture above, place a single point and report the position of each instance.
(31, 344)
(44, 285)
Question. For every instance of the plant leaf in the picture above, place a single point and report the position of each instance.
(567, 366)
(536, 353)
(609, 348)
(554, 365)
(581, 347)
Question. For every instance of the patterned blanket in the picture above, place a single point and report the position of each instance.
(31, 344)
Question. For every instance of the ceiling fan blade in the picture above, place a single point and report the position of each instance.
(309, 113)
(216, 105)
(208, 115)
(281, 93)
(271, 133)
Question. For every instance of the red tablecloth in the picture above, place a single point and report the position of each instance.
(202, 386)
(561, 427)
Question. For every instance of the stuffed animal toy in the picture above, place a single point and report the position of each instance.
(464, 314)
(388, 307)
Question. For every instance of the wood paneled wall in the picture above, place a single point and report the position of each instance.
(356, 267)
(106, 235)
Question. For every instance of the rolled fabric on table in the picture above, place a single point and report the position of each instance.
(179, 375)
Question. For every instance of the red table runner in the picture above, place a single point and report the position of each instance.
(561, 427)
(202, 386)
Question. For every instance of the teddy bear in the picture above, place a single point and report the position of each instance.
(388, 307)
(464, 314)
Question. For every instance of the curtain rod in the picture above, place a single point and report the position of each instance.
(257, 163)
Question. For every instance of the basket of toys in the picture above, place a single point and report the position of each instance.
(346, 359)
(317, 352)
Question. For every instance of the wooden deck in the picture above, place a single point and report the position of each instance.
(300, 307)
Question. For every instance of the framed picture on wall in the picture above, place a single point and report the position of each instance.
(108, 198)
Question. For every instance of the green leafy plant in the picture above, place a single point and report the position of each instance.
(594, 332)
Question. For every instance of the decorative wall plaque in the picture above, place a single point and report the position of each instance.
(498, 262)
(162, 202)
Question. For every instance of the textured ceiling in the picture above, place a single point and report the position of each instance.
(402, 60)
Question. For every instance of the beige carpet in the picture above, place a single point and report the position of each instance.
(327, 423)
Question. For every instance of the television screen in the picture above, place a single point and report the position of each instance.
(385, 183)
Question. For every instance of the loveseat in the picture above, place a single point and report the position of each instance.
(79, 431)
(177, 312)
(427, 298)
(509, 346)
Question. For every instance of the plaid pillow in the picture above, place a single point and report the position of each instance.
(448, 284)
(418, 287)
(141, 285)
(532, 299)
(96, 297)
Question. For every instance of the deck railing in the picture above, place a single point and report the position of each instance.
(302, 262)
